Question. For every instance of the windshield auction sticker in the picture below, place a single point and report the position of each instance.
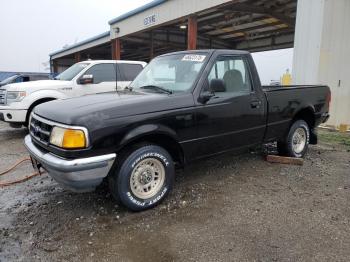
(194, 58)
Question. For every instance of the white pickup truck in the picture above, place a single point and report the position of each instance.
(89, 77)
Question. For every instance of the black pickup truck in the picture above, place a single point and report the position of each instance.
(182, 107)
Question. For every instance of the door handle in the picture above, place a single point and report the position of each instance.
(255, 104)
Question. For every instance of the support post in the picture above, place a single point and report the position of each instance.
(116, 49)
(54, 66)
(77, 57)
(192, 33)
(152, 46)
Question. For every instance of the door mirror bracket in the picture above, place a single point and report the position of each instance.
(205, 96)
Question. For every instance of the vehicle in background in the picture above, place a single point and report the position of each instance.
(275, 83)
(85, 78)
(20, 78)
(182, 107)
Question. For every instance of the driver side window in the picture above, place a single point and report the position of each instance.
(233, 71)
(102, 73)
(19, 79)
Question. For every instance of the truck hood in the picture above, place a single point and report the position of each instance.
(89, 110)
(38, 85)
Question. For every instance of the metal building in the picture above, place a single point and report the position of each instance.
(170, 25)
(317, 29)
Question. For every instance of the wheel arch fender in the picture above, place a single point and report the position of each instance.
(154, 133)
(307, 114)
(37, 102)
(47, 93)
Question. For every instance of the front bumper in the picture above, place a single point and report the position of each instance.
(79, 175)
(13, 115)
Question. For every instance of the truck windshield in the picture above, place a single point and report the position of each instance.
(8, 80)
(171, 73)
(71, 72)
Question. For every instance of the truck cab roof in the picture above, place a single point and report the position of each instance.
(210, 51)
(113, 62)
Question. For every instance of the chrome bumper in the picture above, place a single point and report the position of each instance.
(80, 175)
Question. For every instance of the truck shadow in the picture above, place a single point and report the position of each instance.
(215, 202)
(54, 215)
(190, 183)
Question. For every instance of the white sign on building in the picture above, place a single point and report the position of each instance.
(150, 20)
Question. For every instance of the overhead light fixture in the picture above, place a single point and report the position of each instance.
(183, 26)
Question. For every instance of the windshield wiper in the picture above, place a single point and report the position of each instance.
(159, 88)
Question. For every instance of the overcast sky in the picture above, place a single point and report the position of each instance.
(30, 30)
(273, 64)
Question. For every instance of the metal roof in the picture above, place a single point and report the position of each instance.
(136, 11)
(87, 41)
(254, 25)
(117, 19)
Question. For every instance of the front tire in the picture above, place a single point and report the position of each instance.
(143, 178)
(297, 141)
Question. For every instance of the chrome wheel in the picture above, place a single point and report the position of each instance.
(147, 178)
(299, 140)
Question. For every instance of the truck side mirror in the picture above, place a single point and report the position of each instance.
(86, 79)
(215, 86)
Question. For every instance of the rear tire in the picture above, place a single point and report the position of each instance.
(297, 141)
(143, 178)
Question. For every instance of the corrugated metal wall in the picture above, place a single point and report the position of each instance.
(322, 51)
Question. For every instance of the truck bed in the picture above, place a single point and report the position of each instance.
(285, 102)
(268, 88)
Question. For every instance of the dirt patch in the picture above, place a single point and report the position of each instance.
(228, 208)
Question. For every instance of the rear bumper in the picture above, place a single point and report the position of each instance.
(325, 117)
(79, 175)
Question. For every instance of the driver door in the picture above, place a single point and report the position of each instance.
(234, 117)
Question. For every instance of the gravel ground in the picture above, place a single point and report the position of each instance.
(228, 208)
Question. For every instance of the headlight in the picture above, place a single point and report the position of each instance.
(15, 96)
(68, 138)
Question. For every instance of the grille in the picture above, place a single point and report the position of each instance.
(2, 96)
(40, 129)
